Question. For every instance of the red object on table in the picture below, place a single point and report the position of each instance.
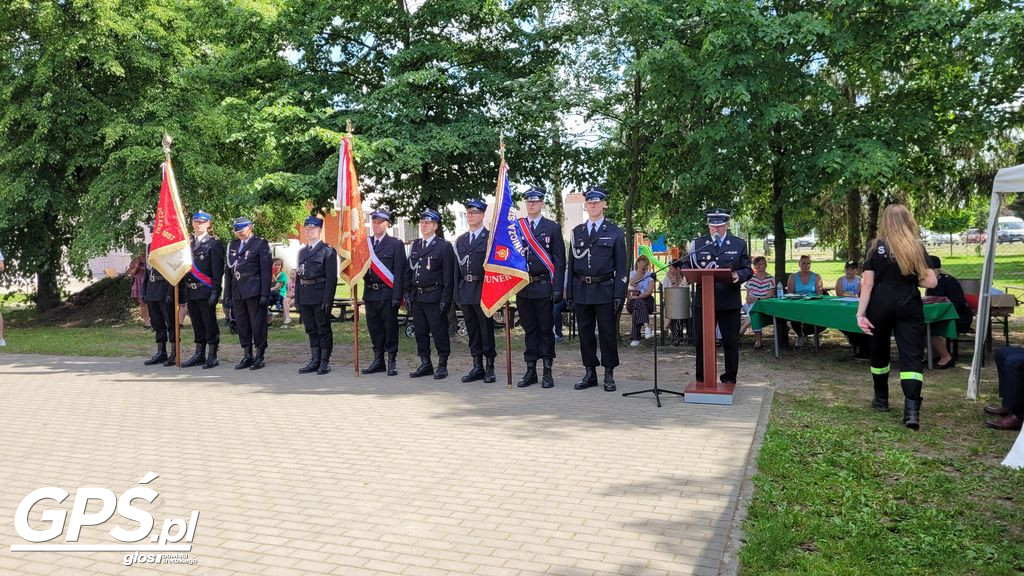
(710, 391)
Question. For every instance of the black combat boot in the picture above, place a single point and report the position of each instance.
(425, 368)
(314, 361)
(198, 358)
(258, 362)
(325, 362)
(489, 371)
(246, 360)
(912, 403)
(477, 372)
(392, 365)
(547, 381)
(211, 357)
(159, 357)
(881, 399)
(609, 380)
(172, 355)
(377, 365)
(530, 377)
(442, 368)
(589, 379)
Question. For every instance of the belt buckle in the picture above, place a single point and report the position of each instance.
(587, 279)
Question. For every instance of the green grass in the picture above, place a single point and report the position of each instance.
(841, 489)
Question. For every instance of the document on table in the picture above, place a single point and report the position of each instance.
(847, 299)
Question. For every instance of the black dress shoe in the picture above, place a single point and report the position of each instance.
(257, 363)
(589, 380)
(1011, 422)
(727, 379)
(997, 410)
(325, 367)
(947, 365)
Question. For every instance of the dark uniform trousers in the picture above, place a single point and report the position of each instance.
(730, 254)
(429, 280)
(249, 280)
(316, 280)
(896, 311)
(533, 303)
(378, 297)
(158, 294)
(208, 258)
(597, 276)
(471, 265)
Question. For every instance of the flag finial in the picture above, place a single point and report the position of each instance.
(167, 145)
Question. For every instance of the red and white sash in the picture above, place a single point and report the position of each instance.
(378, 267)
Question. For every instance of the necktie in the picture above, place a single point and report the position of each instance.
(241, 246)
(533, 225)
(374, 241)
(593, 231)
(472, 238)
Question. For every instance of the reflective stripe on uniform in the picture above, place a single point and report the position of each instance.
(882, 370)
(912, 376)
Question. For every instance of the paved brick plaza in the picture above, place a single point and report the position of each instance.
(376, 475)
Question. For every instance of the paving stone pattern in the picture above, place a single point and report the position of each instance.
(374, 475)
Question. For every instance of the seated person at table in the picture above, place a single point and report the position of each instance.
(950, 288)
(639, 298)
(1010, 367)
(760, 286)
(848, 286)
(808, 283)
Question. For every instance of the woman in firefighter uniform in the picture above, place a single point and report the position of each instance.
(890, 305)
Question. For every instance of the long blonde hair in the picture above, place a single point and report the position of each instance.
(899, 231)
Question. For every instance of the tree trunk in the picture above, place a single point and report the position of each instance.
(634, 166)
(778, 220)
(556, 178)
(853, 224)
(874, 202)
(48, 277)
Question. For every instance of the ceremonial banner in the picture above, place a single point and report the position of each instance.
(505, 269)
(353, 247)
(169, 252)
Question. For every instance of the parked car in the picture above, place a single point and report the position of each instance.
(809, 241)
(1009, 229)
(973, 236)
(939, 238)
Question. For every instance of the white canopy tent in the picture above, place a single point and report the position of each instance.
(1008, 181)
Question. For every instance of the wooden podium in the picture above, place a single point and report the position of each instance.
(710, 391)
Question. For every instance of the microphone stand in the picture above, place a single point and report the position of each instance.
(657, 391)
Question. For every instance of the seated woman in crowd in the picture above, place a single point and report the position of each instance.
(640, 298)
(950, 288)
(805, 282)
(848, 286)
(761, 285)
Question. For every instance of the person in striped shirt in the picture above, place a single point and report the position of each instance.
(761, 285)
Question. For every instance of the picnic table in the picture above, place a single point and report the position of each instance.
(841, 314)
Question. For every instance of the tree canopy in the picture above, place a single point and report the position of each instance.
(796, 115)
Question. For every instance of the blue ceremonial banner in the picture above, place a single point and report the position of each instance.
(505, 269)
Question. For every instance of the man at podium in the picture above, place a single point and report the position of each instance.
(719, 249)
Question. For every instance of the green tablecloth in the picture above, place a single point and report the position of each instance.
(832, 312)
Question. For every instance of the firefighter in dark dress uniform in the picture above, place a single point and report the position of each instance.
(597, 288)
(471, 251)
(719, 249)
(158, 294)
(429, 283)
(382, 292)
(248, 286)
(535, 302)
(202, 291)
(316, 280)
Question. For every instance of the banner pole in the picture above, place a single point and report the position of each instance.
(508, 345)
(177, 331)
(355, 316)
